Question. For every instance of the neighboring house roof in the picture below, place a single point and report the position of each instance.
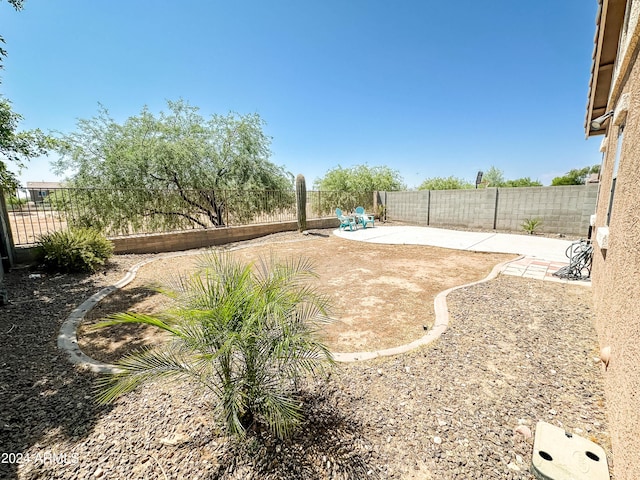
(43, 185)
(593, 178)
(609, 20)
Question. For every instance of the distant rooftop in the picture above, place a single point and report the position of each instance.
(43, 185)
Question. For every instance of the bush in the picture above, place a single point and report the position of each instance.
(15, 203)
(75, 250)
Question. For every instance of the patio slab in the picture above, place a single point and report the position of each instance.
(542, 248)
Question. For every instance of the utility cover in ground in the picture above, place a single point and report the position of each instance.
(560, 455)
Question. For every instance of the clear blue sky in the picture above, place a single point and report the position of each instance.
(430, 88)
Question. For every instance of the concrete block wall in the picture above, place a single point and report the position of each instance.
(463, 208)
(172, 242)
(565, 209)
(409, 207)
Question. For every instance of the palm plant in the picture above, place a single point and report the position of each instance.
(245, 332)
(531, 224)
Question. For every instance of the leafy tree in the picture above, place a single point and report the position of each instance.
(576, 176)
(17, 146)
(17, 4)
(247, 335)
(442, 183)
(360, 178)
(522, 182)
(177, 168)
(348, 188)
(493, 177)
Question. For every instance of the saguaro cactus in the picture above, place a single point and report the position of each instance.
(301, 202)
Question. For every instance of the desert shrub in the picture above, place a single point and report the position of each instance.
(75, 250)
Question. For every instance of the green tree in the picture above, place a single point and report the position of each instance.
(246, 334)
(177, 167)
(522, 182)
(17, 4)
(576, 176)
(16, 146)
(360, 178)
(493, 177)
(348, 188)
(442, 183)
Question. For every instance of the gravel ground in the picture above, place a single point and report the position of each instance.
(517, 351)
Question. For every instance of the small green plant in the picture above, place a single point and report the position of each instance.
(245, 333)
(531, 224)
(75, 250)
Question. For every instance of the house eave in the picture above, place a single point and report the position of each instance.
(609, 20)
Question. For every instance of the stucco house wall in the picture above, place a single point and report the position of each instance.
(616, 263)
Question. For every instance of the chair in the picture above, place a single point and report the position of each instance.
(363, 218)
(346, 221)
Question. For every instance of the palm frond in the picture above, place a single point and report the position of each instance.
(282, 412)
(144, 366)
(141, 318)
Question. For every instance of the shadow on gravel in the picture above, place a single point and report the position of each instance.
(44, 398)
(328, 445)
(120, 301)
(110, 344)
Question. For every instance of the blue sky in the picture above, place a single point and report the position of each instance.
(429, 88)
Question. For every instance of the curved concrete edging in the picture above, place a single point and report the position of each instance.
(439, 326)
(68, 340)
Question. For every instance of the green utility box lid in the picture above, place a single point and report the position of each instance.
(560, 455)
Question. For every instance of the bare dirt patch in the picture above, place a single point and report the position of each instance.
(29, 225)
(382, 295)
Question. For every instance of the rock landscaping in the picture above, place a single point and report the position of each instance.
(465, 407)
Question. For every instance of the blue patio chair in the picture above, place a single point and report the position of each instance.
(363, 218)
(346, 221)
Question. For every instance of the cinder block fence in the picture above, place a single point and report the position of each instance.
(563, 210)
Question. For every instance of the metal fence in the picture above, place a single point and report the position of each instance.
(122, 212)
(324, 203)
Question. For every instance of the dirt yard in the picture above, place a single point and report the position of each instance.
(517, 351)
(382, 295)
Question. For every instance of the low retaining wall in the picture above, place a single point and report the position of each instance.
(176, 241)
(173, 242)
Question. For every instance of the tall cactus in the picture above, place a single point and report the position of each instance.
(301, 202)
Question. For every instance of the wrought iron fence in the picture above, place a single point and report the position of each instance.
(324, 203)
(121, 212)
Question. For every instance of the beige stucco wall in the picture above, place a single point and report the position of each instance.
(616, 280)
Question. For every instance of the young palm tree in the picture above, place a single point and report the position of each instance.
(245, 332)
